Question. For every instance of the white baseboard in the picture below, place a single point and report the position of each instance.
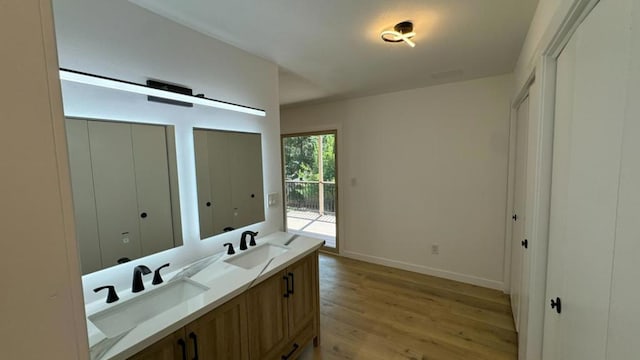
(492, 284)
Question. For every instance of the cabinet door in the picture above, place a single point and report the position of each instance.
(152, 188)
(267, 310)
(172, 347)
(220, 334)
(302, 299)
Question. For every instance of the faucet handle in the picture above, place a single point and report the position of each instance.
(157, 279)
(111, 296)
(252, 242)
(230, 250)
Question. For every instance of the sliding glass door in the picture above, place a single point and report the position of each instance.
(310, 178)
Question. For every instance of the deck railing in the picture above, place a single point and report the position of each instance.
(306, 196)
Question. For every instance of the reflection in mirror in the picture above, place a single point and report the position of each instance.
(125, 190)
(229, 180)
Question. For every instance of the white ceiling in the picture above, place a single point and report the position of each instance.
(330, 49)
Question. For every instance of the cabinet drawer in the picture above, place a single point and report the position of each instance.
(298, 342)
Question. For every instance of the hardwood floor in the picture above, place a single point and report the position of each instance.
(375, 312)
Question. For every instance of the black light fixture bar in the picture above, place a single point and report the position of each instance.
(117, 84)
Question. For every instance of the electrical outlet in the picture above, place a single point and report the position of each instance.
(435, 249)
(273, 199)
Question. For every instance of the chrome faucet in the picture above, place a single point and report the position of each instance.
(243, 239)
(138, 271)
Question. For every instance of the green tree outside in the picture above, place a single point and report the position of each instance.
(301, 158)
(301, 167)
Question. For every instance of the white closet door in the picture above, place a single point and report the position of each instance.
(517, 233)
(246, 186)
(152, 187)
(557, 247)
(254, 167)
(220, 180)
(84, 200)
(115, 189)
(624, 322)
(591, 95)
(203, 184)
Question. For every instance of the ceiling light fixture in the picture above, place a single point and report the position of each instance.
(106, 82)
(401, 32)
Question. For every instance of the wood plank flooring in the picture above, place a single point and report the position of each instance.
(374, 312)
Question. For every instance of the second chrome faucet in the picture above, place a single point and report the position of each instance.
(243, 242)
(137, 285)
(140, 270)
(243, 239)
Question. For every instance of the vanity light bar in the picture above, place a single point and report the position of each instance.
(102, 81)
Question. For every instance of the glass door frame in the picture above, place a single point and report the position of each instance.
(333, 132)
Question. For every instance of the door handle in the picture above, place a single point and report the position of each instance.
(515, 217)
(525, 243)
(557, 304)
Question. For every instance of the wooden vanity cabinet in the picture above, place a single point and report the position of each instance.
(273, 320)
(169, 348)
(283, 311)
(218, 335)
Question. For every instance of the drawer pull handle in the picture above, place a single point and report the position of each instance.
(295, 347)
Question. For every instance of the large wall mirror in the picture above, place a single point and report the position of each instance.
(125, 190)
(229, 180)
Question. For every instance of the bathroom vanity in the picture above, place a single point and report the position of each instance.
(262, 303)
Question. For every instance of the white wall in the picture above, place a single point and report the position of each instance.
(430, 167)
(40, 291)
(120, 40)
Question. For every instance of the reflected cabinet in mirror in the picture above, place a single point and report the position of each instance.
(229, 180)
(125, 190)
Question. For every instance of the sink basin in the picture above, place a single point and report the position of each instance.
(127, 315)
(256, 256)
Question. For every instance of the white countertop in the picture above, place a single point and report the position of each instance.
(224, 280)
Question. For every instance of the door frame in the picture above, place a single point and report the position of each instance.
(511, 180)
(542, 67)
(333, 132)
(511, 198)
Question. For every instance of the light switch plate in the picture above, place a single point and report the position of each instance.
(273, 199)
